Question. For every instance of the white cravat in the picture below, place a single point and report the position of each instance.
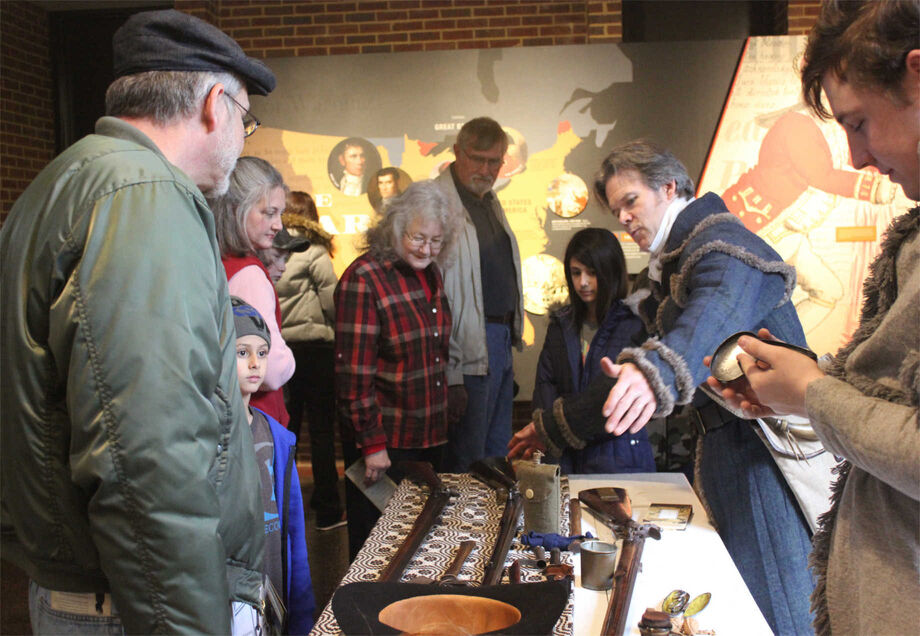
(661, 237)
(351, 184)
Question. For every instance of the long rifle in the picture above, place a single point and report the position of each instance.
(612, 506)
(497, 473)
(439, 495)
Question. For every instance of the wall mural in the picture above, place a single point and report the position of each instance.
(354, 130)
(788, 175)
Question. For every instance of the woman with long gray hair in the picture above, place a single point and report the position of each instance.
(247, 218)
(392, 331)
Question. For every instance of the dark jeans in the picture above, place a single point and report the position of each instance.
(760, 523)
(362, 514)
(311, 388)
(485, 428)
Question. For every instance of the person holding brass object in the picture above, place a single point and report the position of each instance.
(709, 277)
(864, 57)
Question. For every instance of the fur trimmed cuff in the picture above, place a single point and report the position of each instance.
(909, 374)
(663, 398)
(568, 435)
(682, 376)
(551, 447)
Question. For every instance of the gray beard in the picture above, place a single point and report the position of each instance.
(226, 163)
(221, 187)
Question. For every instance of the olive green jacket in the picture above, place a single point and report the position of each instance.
(127, 464)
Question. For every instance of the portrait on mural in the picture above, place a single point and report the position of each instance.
(350, 165)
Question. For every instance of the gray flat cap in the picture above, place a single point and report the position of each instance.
(174, 41)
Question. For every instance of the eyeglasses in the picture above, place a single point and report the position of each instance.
(417, 241)
(250, 122)
(480, 161)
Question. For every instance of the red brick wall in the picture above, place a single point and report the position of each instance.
(267, 28)
(802, 15)
(272, 28)
(26, 110)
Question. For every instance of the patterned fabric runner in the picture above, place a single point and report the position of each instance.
(474, 514)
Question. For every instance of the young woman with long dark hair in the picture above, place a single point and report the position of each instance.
(595, 323)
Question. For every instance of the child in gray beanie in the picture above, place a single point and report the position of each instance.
(282, 500)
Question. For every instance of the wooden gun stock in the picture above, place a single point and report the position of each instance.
(575, 517)
(506, 531)
(496, 472)
(438, 497)
(624, 578)
(613, 507)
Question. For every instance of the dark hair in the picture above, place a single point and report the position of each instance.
(393, 172)
(863, 43)
(352, 142)
(599, 250)
(301, 203)
(482, 133)
(656, 167)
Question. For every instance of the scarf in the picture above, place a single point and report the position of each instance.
(661, 236)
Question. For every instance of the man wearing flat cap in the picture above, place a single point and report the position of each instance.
(130, 491)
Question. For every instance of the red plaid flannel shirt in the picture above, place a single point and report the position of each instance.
(391, 352)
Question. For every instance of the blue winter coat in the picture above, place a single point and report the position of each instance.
(717, 278)
(298, 587)
(561, 373)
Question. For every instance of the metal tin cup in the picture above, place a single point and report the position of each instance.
(598, 561)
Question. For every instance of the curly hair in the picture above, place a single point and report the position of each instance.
(422, 199)
(864, 43)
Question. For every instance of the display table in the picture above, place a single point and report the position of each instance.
(694, 559)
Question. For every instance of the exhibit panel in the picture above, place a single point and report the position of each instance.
(789, 176)
(335, 123)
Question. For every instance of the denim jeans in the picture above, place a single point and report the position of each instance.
(485, 428)
(46, 620)
(760, 523)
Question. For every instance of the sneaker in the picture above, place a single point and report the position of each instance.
(331, 524)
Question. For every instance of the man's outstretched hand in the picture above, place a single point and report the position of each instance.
(631, 402)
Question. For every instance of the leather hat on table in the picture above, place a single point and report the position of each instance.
(525, 608)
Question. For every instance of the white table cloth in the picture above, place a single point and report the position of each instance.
(694, 560)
